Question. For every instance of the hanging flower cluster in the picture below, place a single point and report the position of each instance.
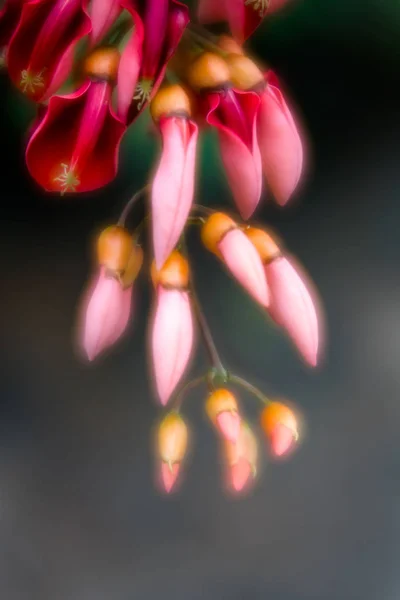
(92, 67)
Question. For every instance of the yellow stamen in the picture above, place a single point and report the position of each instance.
(143, 92)
(259, 5)
(31, 81)
(67, 179)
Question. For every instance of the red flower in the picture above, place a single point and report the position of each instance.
(9, 17)
(40, 53)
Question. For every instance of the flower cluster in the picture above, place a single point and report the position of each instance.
(92, 68)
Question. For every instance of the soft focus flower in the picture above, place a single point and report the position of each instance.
(172, 439)
(107, 304)
(103, 13)
(221, 236)
(40, 52)
(241, 459)
(222, 410)
(293, 304)
(243, 16)
(75, 145)
(280, 425)
(9, 17)
(173, 184)
(172, 332)
(233, 113)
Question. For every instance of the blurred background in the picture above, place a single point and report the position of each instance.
(80, 517)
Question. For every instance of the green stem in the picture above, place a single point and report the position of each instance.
(132, 202)
(177, 403)
(249, 387)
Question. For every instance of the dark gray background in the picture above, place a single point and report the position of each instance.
(80, 518)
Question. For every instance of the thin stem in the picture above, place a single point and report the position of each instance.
(249, 387)
(203, 209)
(207, 41)
(131, 203)
(177, 403)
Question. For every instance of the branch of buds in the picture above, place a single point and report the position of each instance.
(93, 68)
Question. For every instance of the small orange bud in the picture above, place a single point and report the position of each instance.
(229, 45)
(280, 425)
(169, 100)
(174, 273)
(172, 438)
(244, 73)
(133, 267)
(221, 400)
(102, 63)
(265, 245)
(208, 71)
(114, 247)
(214, 229)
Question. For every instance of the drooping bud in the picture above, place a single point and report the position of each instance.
(222, 410)
(208, 71)
(264, 243)
(280, 425)
(244, 73)
(242, 458)
(171, 100)
(174, 274)
(114, 248)
(172, 440)
(221, 235)
(102, 64)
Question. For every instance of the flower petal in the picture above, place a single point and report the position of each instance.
(103, 13)
(171, 339)
(281, 439)
(228, 424)
(169, 475)
(210, 11)
(129, 65)
(240, 474)
(294, 306)
(173, 186)
(280, 145)
(244, 263)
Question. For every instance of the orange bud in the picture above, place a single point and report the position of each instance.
(114, 247)
(214, 229)
(244, 73)
(208, 71)
(221, 400)
(169, 100)
(133, 267)
(280, 425)
(102, 63)
(229, 45)
(174, 273)
(265, 245)
(172, 438)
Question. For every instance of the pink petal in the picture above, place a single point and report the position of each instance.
(228, 424)
(171, 339)
(129, 65)
(280, 145)
(239, 474)
(103, 14)
(169, 475)
(104, 318)
(281, 439)
(173, 186)
(211, 11)
(126, 309)
(243, 261)
(294, 306)
(239, 146)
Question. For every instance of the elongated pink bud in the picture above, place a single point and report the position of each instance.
(169, 475)
(228, 424)
(105, 316)
(129, 66)
(280, 144)
(173, 186)
(171, 339)
(243, 261)
(242, 458)
(234, 114)
(293, 306)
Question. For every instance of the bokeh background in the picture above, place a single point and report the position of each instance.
(80, 518)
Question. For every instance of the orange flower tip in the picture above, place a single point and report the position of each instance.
(229, 45)
(244, 73)
(280, 425)
(173, 274)
(133, 267)
(102, 64)
(172, 439)
(208, 71)
(171, 100)
(114, 248)
(264, 243)
(214, 230)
